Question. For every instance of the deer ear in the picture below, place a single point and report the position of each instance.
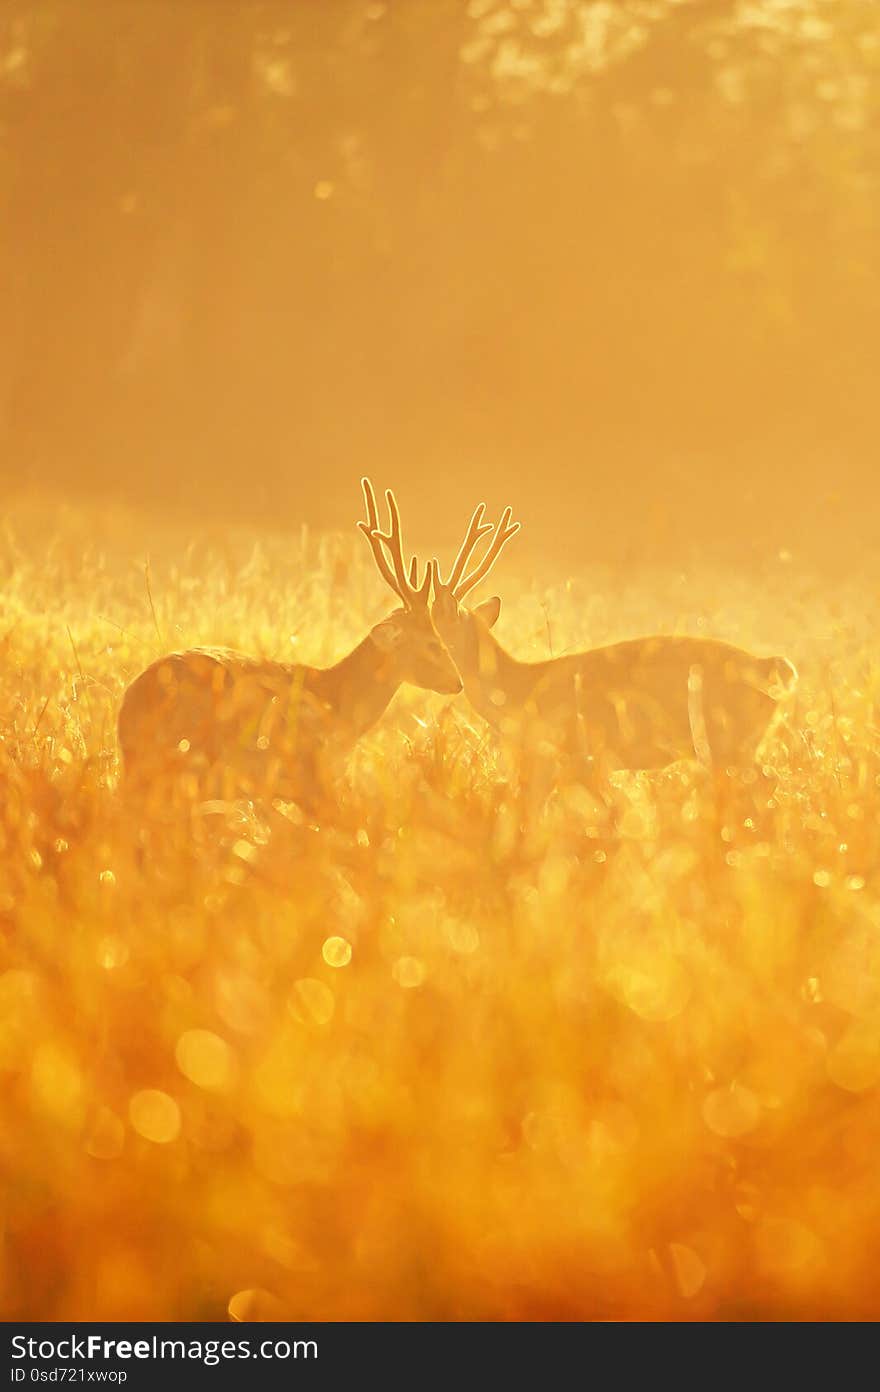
(488, 611)
(387, 635)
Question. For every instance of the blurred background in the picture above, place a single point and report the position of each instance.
(620, 261)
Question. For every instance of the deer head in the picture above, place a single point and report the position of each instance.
(459, 627)
(407, 638)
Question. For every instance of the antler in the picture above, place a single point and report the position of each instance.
(406, 588)
(477, 529)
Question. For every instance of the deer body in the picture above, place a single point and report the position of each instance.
(640, 704)
(268, 726)
(240, 724)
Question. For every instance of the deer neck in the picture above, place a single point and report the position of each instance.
(359, 687)
(496, 683)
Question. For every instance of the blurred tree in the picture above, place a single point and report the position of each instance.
(256, 246)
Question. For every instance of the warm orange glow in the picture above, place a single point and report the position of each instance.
(344, 1002)
(449, 1052)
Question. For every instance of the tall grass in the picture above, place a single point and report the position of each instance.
(447, 1055)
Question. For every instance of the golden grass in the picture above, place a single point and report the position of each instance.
(446, 1056)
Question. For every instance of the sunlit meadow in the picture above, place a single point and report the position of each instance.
(448, 1054)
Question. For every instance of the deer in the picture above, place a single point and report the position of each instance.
(640, 704)
(230, 721)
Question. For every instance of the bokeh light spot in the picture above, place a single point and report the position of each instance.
(409, 972)
(854, 1062)
(336, 952)
(731, 1111)
(786, 1246)
(206, 1059)
(256, 1306)
(155, 1116)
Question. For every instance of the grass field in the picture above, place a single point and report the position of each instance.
(444, 1056)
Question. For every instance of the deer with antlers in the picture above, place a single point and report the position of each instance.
(640, 704)
(274, 728)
